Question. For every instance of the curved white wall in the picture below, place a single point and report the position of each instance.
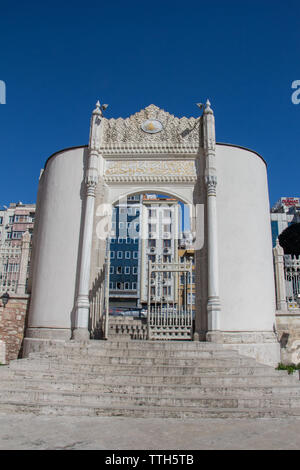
(56, 241)
(244, 239)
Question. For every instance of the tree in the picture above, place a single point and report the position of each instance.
(289, 239)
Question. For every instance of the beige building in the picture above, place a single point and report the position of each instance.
(16, 227)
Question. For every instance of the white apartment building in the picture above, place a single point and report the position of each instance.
(285, 212)
(159, 242)
(16, 226)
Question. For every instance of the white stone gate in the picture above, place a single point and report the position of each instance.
(152, 151)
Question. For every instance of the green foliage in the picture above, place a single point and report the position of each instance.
(290, 368)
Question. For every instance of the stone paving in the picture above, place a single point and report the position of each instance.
(30, 432)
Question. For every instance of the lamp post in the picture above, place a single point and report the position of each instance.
(5, 298)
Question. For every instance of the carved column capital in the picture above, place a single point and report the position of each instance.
(211, 183)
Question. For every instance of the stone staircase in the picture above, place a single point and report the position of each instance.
(146, 379)
(126, 328)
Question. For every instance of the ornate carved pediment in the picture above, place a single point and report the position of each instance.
(151, 128)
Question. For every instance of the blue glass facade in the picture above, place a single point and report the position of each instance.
(275, 231)
(124, 253)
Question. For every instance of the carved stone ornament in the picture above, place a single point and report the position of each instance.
(143, 170)
(150, 128)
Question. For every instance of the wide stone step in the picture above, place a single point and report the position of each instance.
(145, 361)
(163, 389)
(97, 354)
(114, 369)
(59, 409)
(116, 400)
(278, 378)
(271, 378)
(137, 345)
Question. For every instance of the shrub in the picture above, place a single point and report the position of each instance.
(290, 368)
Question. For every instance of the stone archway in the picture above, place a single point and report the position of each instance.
(150, 151)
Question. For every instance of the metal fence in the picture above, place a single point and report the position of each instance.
(170, 313)
(292, 280)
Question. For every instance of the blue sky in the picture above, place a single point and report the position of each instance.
(58, 58)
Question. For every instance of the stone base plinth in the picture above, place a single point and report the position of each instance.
(81, 335)
(39, 339)
(260, 345)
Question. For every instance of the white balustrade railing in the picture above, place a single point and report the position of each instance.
(292, 280)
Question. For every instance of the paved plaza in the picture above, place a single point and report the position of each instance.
(29, 432)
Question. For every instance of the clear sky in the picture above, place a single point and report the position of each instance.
(58, 58)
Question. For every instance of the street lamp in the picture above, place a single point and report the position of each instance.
(5, 298)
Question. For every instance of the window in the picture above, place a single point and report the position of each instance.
(167, 243)
(152, 213)
(151, 243)
(191, 298)
(11, 219)
(8, 235)
(152, 227)
(120, 254)
(136, 240)
(134, 285)
(167, 213)
(151, 258)
(17, 235)
(135, 255)
(126, 285)
(127, 254)
(134, 270)
(167, 227)
(167, 258)
(119, 270)
(111, 270)
(127, 269)
(120, 240)
(112, 255)
(112, 240)
(1, 220)
(121, 224)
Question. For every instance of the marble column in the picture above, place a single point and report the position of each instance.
(213, 302)
(82, 304)
(278, 252)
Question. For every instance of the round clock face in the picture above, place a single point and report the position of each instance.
(151, 126)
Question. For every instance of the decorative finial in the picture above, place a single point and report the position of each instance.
(208, 109)
(100, 108)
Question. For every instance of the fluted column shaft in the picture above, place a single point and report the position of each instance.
(213, 302)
